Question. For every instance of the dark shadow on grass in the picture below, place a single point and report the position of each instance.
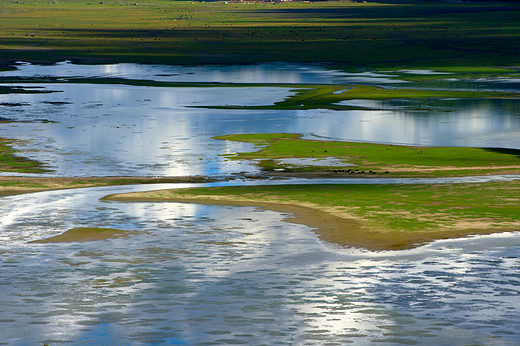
(506, 151)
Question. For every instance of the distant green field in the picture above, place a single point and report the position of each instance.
(343, 34)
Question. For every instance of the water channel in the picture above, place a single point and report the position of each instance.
(197, 274)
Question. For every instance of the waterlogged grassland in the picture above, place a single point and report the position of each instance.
(370, 159)
(344, 34)
(11, 162)
(377, 217)
(306, 96)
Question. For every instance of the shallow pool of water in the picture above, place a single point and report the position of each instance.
(199, 274)
(87, 129)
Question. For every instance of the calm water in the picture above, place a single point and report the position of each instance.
(196, 274)
(129, 130)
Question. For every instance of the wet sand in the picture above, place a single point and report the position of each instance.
(82, 234)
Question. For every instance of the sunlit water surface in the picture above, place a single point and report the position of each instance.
(195, 274)
(85, 129)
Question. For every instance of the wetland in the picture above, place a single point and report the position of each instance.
(180, 172)
(188, 271)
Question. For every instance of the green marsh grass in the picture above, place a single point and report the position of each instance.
(373, 216)
(328, 96)
(379, 158)
(11, 162)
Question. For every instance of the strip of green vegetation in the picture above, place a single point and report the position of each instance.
(13, 185)
(378, 217)
(344, 34)
(22, 90)
(10, 162)
(370, 158)
(23, 184)
(304, 97)
(328, 96)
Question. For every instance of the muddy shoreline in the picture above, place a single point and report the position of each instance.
(342, 231)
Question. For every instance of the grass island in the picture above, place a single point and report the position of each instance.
(373, 216)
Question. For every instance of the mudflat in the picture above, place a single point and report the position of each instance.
(82, 234)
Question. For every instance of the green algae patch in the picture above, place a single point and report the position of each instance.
(375, 217)
(84, 234)
(374, 159)
(11, 162)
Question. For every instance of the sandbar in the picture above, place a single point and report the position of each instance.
(83, 234)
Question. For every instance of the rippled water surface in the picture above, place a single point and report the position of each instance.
(195, 274)
(213, 274)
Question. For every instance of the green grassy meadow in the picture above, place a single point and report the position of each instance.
(343, 34)
(370, 158)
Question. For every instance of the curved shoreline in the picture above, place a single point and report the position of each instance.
(333, 229)
(339, 223)
(16, 185)
(329, 223)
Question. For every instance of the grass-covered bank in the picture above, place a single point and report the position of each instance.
(377, 217)
(373, 159)
(345, 34)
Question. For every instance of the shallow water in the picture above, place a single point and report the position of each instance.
(262, 73)
(106, 130)
(219, 275)
(199, 274)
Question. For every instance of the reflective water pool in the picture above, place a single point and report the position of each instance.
(113, 129)
(198, 274)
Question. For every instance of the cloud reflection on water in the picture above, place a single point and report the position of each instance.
(210, 273)
(199, 274)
